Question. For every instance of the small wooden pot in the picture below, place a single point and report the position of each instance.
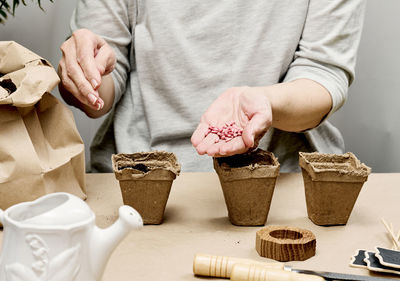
(283, 243)
(248, 182)
(145, 179)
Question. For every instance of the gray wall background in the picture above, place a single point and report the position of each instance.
(369, 120)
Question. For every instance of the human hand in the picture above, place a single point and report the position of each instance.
(86, 57)
(248, 107)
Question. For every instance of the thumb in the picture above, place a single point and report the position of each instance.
(256, 128)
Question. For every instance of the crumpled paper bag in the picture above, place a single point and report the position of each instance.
(41, 150)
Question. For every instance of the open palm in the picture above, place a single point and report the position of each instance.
(248, 107)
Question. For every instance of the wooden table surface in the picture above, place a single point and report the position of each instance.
(196, 222)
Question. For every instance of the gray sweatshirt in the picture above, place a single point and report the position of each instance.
(174, 58)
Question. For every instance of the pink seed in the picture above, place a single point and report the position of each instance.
(227, 132)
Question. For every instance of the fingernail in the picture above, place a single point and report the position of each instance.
(94, 83)
(92, 99)
(99, 103)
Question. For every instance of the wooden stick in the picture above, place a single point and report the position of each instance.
(394, 247)
(395, 239)
(392, 230)
(398, 238)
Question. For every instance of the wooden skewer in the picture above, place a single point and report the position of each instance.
(398, 240)
(395, 239)
(392, 230)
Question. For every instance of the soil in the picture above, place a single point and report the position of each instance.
(45, 62)
(254, 158)
(145, 162)
(8, 85)
(140, 167)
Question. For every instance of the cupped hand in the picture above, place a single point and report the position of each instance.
(86, 57)
(248, 107)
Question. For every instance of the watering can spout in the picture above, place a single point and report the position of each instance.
(104, 241)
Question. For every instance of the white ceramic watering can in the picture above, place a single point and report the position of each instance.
(54, 238)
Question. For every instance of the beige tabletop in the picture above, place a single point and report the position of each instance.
(196, 222)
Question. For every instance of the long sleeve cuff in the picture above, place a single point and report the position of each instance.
(332, 78)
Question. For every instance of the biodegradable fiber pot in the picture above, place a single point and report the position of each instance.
(332, 183)
(248, 182)
(145, 179)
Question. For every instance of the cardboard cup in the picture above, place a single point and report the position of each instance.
(332, 183)
(145, 179)
(248, 182)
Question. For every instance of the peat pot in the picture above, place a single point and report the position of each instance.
(332, 183)
(145, 179)
(248, 182)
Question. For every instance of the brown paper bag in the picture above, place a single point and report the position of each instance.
(41, 150)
